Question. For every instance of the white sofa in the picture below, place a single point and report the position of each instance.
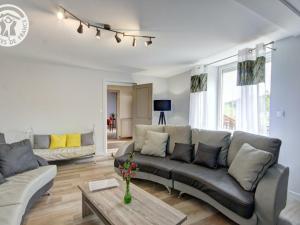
(65, 153)
(19, 192)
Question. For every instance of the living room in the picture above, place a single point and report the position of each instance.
(213, 120)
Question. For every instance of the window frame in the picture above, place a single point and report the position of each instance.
(229, 68)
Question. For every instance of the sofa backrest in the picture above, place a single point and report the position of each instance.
(139, 135)
(214, 138)
(2, 139)
(177, 134)
(268, 144)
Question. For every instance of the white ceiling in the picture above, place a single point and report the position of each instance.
(187, 31)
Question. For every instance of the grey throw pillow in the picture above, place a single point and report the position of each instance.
(183, 152)
(2, 139)
(155, 144)
(207, 155)
(17, 158)
(41, 141)
(249, 166)
(87, 139)
(2, 179)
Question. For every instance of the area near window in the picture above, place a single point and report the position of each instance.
(231, 97)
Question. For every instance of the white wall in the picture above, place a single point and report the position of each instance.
(285, 96)
(54, 98)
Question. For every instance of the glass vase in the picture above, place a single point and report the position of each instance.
(127, 196)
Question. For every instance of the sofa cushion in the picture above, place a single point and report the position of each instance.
(2, 139)
(177, 134)
(65, 153)
(41, 141)
(21, 187)
(207, 155)
(155, 144)
(215, 138)
(11, 214)
(183, 152)
(58, 141)
(87, 139)
(17, 158)
(140, 133)
(150, 164)
(249, 166)
(2, 178)
(268, 144)
(218, 185)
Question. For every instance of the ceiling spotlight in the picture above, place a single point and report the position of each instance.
(147, 43)
(118, 39)
(134, 42)
(61, 14)
(98, 34)
(80, 28)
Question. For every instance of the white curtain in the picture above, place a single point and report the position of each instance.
(251, 108)
(198, 105)
(198, 110)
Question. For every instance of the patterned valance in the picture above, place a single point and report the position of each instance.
(199, 83)
(251, 67)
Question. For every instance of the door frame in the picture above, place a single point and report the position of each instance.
(104, 105)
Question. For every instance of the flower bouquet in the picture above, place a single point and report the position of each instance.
(128, 171)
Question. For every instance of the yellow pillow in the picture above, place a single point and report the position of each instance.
(73, 140)
(58, 141)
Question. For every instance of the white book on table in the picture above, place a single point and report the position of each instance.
(103, 184)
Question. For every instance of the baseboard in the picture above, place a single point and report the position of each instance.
(294, 195)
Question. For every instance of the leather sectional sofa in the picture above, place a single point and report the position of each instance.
(215, 186)
(21, 191)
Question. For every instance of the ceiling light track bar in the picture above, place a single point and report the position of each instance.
(64, 13)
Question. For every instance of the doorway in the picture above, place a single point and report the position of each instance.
(125, 105)
(119, 116)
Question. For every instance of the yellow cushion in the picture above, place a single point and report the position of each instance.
(73, 140)
(58, 141)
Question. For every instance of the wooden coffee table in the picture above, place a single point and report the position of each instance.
(145, 209)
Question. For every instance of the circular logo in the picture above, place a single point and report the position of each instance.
(14, 25)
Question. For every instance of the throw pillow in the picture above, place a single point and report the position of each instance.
(2, 179)
(2, 139)
(140, 134)
(183, 152)
(155, 144)
(17, 158)
(73, 140)
(87, 139)
(249, 166)
(41, 141)
(207, 155)
(58, 141)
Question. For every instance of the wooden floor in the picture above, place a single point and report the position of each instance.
(63, 206)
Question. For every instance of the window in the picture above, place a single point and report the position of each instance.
(230, 100)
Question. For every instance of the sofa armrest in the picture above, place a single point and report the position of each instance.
(271, 195)
(41, 161)
(127, 148)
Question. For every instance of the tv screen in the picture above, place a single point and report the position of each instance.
(162, 105)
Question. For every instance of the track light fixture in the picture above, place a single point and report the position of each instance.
(98, 34)
(118, 39)
(147, 43)
(80, 28)
(134, 42)
(63, 13)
